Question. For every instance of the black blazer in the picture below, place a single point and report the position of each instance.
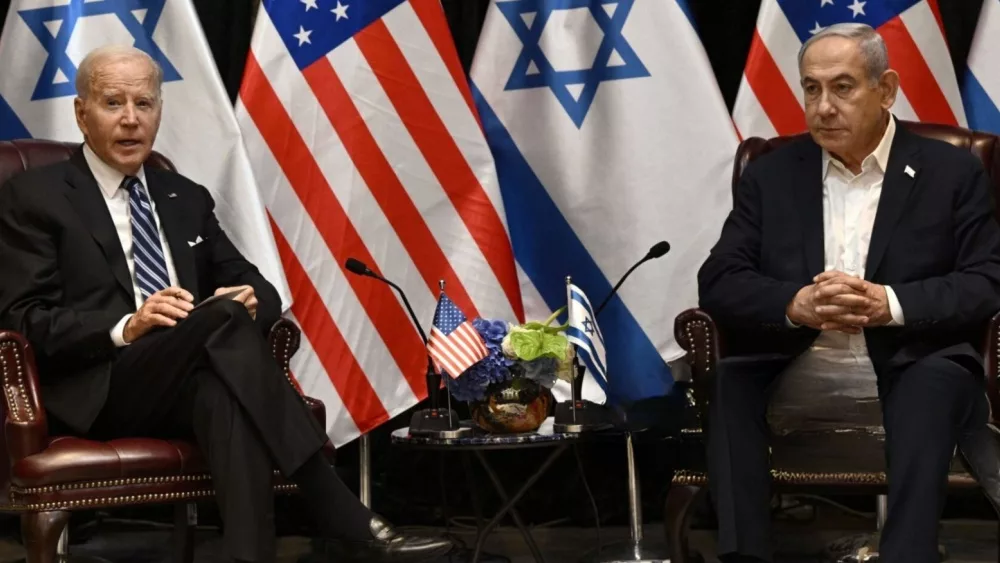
(64, 282)
(935, 241)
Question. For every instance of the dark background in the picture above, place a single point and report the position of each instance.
(408, 486)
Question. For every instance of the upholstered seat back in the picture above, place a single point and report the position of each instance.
(20, 155)
(831, 424)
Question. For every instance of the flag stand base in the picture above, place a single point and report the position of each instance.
(437, 423)
(588, 417)
(631, 551)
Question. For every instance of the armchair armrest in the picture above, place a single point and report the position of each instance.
(696, 332)
(284, 339)
(991, 355)
(25, 426)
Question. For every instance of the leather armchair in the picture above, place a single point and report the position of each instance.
(45, 476)
(815, 452)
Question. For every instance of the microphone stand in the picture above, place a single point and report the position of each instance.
(634, 549)
(433, 422)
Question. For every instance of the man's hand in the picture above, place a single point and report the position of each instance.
(163, 308)
(861, 299)
(838, 301)
(246, 297)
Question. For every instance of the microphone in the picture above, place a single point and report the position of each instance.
(656, 251)
(578, 415)
(358, 267)
(434, 421)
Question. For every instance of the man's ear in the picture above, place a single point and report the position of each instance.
(80, 110)
(888, 85)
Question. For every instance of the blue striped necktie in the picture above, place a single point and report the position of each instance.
(150, 265)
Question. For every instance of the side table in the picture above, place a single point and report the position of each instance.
(479, 442)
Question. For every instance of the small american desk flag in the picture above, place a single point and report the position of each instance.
(454, 344)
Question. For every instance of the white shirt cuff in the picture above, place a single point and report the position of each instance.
(790, 323)
(118, 332)
(895, 309)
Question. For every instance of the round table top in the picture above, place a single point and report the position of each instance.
(481, 440)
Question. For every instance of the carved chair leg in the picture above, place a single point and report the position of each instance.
(185, 520)
(40, 532)
(680, 499)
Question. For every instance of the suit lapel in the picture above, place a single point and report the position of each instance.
(89, 203)
(902, 173)
(809, 194)
(170, 212)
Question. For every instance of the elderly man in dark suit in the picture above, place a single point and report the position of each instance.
(862, 250)
(101, 276)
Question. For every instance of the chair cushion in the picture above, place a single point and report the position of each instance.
(68, 459)
(85, 462)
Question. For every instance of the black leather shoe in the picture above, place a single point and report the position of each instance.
(388, 545)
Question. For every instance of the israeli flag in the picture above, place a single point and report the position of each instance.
(43, 42)
(583, 332)
(981, 87)
(609, 134)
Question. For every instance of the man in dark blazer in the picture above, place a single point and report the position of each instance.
(862, 247)
(104, 261)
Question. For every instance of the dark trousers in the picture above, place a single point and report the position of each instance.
(925, 409)
(213, 377)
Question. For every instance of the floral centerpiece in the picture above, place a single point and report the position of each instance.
(509, 389)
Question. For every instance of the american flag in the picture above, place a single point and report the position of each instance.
(454, 344)
(360, 126)
(769, 101)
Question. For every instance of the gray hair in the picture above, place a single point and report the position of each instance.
(873, 49)
(108, 53)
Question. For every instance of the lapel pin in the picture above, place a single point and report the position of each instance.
(172, 195)
(909, 171)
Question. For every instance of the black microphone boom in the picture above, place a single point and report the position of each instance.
(578, 415)
(434, 421)
(358, 267)
(656, 251)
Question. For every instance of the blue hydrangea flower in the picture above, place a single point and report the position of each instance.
(494, 368)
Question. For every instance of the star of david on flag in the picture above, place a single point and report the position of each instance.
(583, 332)
(575, 88)
(54, 26)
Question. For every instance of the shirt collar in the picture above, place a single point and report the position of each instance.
(880, 156)
(107, 177)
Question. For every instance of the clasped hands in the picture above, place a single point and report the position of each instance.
(840, 302)
(167, 306)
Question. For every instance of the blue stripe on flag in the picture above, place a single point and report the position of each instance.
(590, 312)
(548, 250)
(10, 126)
(982, 112)
(588, 344)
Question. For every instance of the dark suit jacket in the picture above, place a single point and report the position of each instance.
(64, 282)
(935, 241)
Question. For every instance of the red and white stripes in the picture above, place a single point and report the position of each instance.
(769, 101)
(374, 152)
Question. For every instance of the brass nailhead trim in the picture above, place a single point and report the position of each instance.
(286, 358)
(798, 478)
(122, 500)
(15, 390)
(114, 483)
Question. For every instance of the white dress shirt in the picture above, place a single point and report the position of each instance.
(850, 203)
(116, 197)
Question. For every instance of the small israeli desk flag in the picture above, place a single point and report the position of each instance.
(583, 332)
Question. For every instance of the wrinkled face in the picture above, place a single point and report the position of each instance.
(845, 110)
(120, 114)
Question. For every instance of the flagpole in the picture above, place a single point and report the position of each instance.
(447, 393)
(365, 469)
(576, 360)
